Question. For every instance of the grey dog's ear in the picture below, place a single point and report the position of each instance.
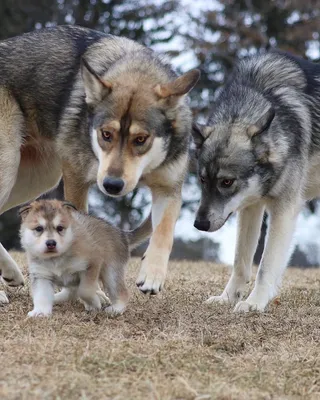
(263, 123)
(200, 133)
(69, 205)
(24, 211)
(94, 86)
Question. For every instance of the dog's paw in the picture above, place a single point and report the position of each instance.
(39, 313)
(11, 275)
(218, 300)
(151, 277)
(246, 306)
(3, 298)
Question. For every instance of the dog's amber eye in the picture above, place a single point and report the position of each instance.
(106, 135)
(140, 140)
(60, 228)
(226, 183)
(39, 229)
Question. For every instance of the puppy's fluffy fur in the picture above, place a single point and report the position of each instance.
(75, 251)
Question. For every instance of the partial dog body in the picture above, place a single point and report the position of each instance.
(75, 251)
(261, 151)
(93, 108)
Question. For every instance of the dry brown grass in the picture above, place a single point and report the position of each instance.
(166, 347)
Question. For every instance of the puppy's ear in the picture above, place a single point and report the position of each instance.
(24, 211)
(200, 134)
(94, 86)
(69, 205)
(263, 123)
(180, 86)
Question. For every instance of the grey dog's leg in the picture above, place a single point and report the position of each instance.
(249, 225)
(274, 259)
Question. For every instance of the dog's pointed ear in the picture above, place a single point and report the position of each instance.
(69, 205)
(200, 133)
(262, 124)
(24, 211)
(180, 86)
(94, 86)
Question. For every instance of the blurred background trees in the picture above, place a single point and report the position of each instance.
(209, 35)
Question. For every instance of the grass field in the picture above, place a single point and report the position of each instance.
(167, 347)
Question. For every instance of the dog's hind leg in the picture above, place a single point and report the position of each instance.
(112, 277)
(11, 126)
(248, 232)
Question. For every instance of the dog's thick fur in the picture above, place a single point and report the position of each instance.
(93, 108)
(75, 251)
(261, 150)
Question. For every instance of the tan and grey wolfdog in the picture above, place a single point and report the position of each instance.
(93, 108)
(75, 251)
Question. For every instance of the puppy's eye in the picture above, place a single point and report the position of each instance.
(60, 228)
(106, 135)
(39, 229)
(226, 183)
(140, 140)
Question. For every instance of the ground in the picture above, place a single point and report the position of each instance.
(170, 346)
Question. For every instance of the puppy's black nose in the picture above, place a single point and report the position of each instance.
(113, 185)
(202, 224)
(51, 244)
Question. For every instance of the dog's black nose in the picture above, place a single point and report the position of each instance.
(113, 185)
(51, 244)
(202, 224)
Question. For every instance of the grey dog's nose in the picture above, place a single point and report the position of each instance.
(113, 185)
(51, 244)
(202, 224)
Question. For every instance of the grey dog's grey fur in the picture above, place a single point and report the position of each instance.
(260, 149)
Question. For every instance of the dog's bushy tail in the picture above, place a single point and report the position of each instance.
(140, 234)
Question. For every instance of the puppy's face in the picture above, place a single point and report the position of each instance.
(133, 119)
(46, 229)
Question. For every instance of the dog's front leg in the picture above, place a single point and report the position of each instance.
(248, 232)
(274, 259)
(75, 187)
(43, 297)
(165, 211)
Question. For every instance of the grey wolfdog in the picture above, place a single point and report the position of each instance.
(260, 150)
(93, 108)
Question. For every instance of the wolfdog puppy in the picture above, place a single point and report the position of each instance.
(93, 108)
(75, 251)
(260, 150)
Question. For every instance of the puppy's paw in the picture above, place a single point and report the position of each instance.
(246, 306)
(91, 307)
(3, 298)
(39, 313)
(151, 277)
(218, 300)
(104, 299)
(115, 309)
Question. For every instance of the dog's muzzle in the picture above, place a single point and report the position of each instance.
(113, 185)
(202, 224)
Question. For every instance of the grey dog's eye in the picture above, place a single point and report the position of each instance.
(226, 183)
